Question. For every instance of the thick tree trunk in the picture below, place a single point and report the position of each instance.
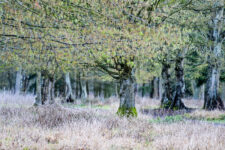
(212, 99)
(38, 90)
(69, 93)
(127, 97)
(166, 99)
(18, 81)
(180, 86)
(223, 90)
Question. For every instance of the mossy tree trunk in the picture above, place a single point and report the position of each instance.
(127, 97)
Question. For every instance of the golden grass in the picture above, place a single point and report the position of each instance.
(56, 127)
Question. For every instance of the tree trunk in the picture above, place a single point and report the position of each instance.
(78, 91)
(166, 100)
(117, 89)
(160, 88)
(18, 81)
(69, 93)
(10, 80)
(44, 90)
(87, 88)
(127, 97)
(223, 91)
(180, 86)
(51, 91)
(38, 90)
(212, 99)
(143, 90)
(202, 92)
(25, 83)
(151, 89)
(101, 91)
(83, 89)
(156, 88)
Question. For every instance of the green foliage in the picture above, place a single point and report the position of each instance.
(127, 112)
(216, 119)
(166, 104)
(168, 119)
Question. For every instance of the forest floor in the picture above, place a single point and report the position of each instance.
(94, 126)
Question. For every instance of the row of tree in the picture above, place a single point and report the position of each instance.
(180, 42)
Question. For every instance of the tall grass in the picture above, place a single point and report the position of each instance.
(24, 127)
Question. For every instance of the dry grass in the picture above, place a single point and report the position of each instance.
(56, 127)
(210, 115)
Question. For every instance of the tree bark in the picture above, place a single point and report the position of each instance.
(180, 86)
(83, 89)
(10, 80)
(78, 91)
(202, 92)
(212, 99)
(44, 90)
(223, 91)
(143, 90)
(166, 100)
(156, 88)
(87, 88)
(160, 88)
(69, 93)
(38, 90)
(151, 89)
(51, 89)
(18, 81)
(127, 96)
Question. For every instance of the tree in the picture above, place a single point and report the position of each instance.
(216, 33)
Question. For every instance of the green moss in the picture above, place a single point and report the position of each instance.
(217, 119)
(127, 112)
(168, 119)
(166, 105)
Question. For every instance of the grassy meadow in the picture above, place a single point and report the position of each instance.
(94, 125)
